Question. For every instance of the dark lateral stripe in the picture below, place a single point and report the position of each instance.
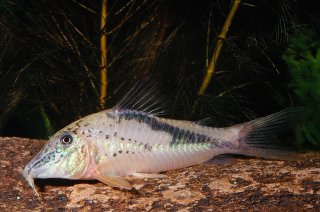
(178, 135)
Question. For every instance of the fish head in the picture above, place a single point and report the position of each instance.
(64, 156)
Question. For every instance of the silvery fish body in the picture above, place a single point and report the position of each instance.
(115, 143)
(128, 142)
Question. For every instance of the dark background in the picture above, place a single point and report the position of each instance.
(50, 59)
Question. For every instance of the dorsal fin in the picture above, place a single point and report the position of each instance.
(144, 96)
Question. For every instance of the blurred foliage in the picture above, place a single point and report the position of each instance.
(303, 59)
(49, 59)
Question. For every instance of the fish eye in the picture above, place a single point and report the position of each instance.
(66, 140)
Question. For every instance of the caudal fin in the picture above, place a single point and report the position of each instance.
(257, 137)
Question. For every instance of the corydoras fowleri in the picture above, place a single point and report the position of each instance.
(131, 140)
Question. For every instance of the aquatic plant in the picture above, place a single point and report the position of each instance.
(303, 59)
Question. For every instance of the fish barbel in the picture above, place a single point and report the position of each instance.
(119, 142)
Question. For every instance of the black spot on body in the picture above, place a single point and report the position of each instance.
(115, 134)
(148, 147)
(114, 154)
(122, 138)
(107, 136)
(120, 151)
(119, 120)
(109, 115)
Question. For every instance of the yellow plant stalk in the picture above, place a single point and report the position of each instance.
(103, 49)
(216, 53)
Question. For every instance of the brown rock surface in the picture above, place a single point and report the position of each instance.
(253, 184)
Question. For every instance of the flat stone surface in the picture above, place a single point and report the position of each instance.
(246, 183)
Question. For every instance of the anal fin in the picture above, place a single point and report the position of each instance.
(114, 181)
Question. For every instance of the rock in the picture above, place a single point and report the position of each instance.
(244, 184)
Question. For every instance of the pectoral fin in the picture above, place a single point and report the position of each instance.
(113, 181)
(149, 175)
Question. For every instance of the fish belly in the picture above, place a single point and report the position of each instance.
(157, 161)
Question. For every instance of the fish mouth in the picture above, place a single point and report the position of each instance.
(27, 174)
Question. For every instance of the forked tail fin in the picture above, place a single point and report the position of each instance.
(257, 137)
